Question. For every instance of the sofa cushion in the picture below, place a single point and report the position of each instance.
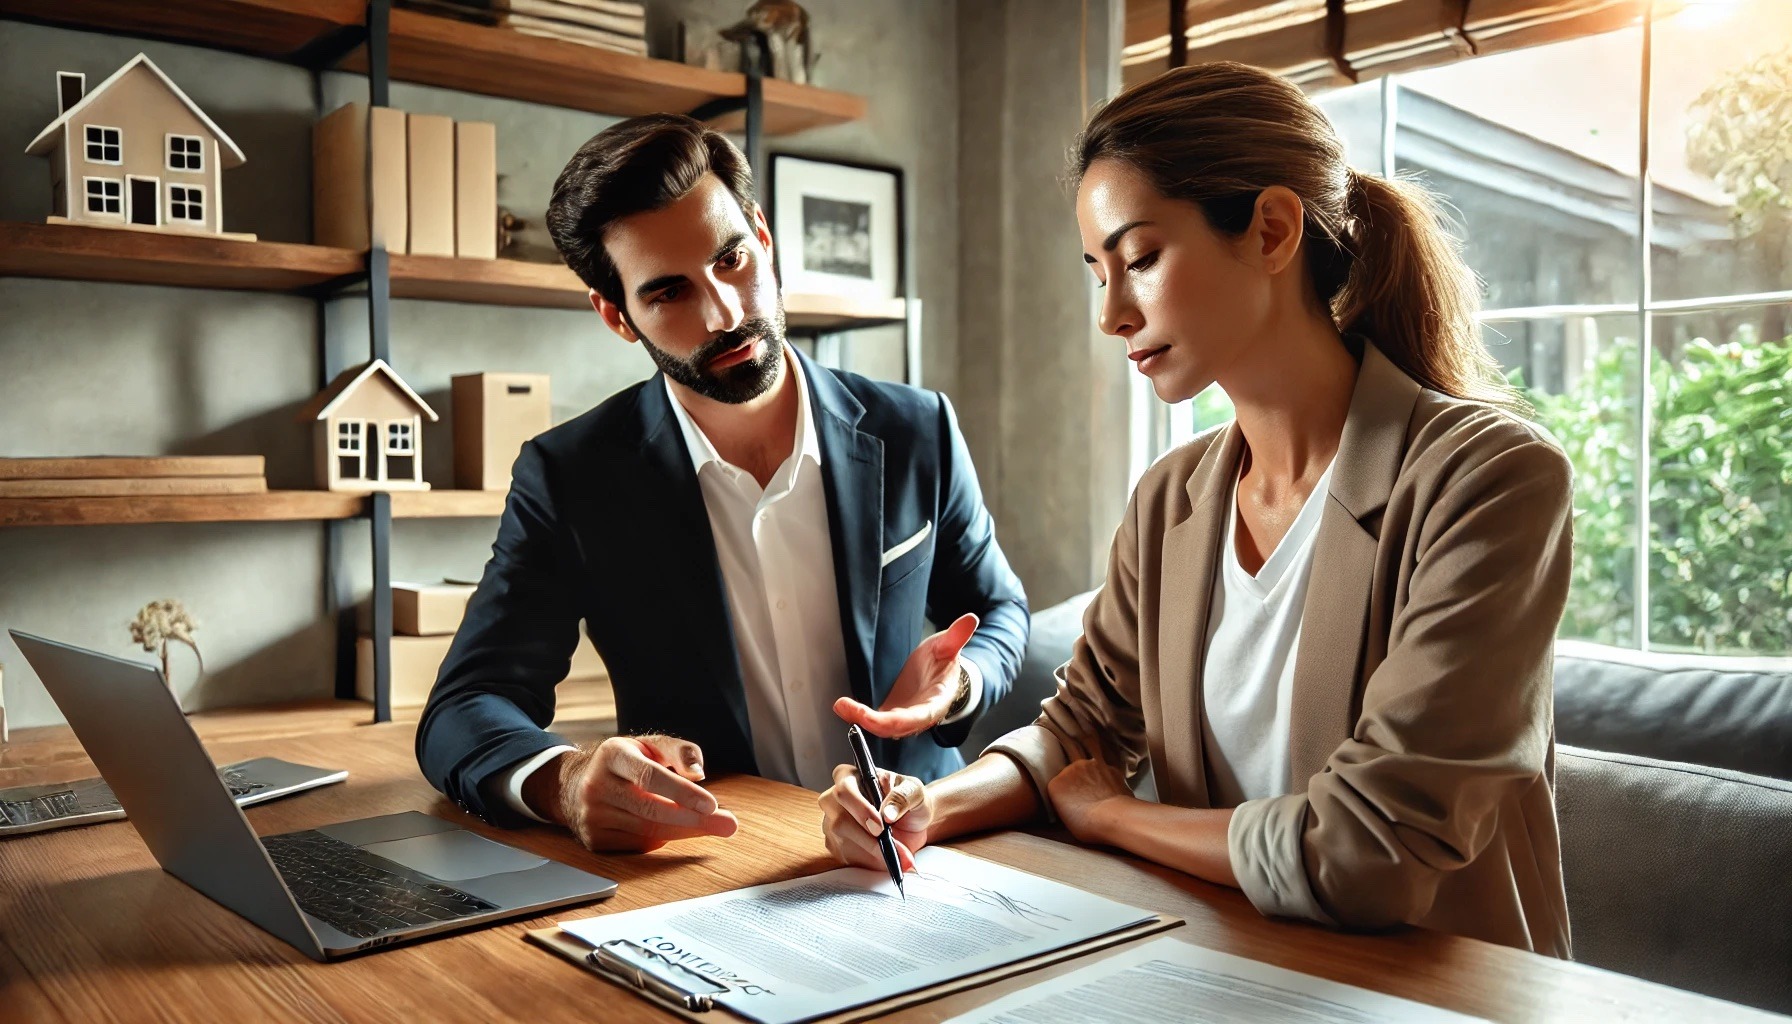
(1732, 713)
(1054, 632)
(1678, 873)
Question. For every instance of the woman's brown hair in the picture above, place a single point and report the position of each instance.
(1218, 134)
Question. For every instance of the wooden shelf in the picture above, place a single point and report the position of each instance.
(488, 282)
(147, 257)
(832, 313)
(458, 55)
(447, 504)
(499, 62)
(198, 261)
(274, 506)
(553, 286)
(280, 29)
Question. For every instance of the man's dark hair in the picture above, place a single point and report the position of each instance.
(633, 166)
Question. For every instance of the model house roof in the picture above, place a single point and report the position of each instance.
(326, 401)
(229, 155)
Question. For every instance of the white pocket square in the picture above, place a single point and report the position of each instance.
(908, 545)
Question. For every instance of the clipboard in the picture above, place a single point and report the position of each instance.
(578, 952)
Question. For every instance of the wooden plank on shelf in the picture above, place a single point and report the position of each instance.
(491, 282)
(118, 487)
(187, 261)
(832, 312)
(95, 467)
(267, 28)
(271, 506)
(792, 108)
(500, 62)
(447, 504)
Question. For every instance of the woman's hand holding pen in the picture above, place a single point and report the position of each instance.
(851, 825)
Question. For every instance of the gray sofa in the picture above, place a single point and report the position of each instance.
(1673, 798)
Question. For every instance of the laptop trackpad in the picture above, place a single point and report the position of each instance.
(455, 855)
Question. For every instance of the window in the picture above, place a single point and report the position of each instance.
(186, 153)
(1683, 479)
(351, 456)
(401, 451)
(399, 440)
(104, 145)
(186, 204)
(105, 196)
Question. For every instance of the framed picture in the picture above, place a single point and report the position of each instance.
(838, 227)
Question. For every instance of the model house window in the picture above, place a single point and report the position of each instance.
(186, 203)
(104, 145)
(186, 153)
(401, 452)
(351, 454)
(398, 439)
(105, 195)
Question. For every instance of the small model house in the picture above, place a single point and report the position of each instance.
(369, 431)
(135, 152)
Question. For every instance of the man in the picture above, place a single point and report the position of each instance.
(754, 543)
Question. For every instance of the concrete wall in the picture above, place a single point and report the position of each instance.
(1043, 395)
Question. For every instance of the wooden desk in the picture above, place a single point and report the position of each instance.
(93, 930)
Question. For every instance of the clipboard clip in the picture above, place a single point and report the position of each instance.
(639, 967)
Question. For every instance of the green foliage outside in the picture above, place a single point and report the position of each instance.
(1720, 497)
(1720, 528)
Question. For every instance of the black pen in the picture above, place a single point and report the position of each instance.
(874, 795)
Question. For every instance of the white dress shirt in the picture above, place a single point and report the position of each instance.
(777, 562)
(1247, 678)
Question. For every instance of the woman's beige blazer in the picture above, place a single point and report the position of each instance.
(1423, 745)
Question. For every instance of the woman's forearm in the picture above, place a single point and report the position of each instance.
(991, 792)
(1189, 839)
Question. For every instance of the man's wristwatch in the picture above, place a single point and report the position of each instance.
(963, 697)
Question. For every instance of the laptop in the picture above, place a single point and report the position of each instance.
(330, 892)
(25, 809)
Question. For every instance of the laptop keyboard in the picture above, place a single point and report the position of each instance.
(92, 796)
(360, 894)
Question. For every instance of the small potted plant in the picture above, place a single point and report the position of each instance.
(161, 623)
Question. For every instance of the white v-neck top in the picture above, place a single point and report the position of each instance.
(1247, 679)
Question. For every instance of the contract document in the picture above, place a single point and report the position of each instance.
(812, 947)
(1172, 982)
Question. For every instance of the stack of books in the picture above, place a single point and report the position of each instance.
(609, 24)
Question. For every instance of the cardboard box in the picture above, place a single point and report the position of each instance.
(494, 413)
(416, 660)
(476, 190)
(428, 609)
(430, 151)
(359, 179)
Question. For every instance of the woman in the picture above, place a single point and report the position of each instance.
(1326, 626)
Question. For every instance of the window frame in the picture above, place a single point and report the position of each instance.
(85, 143)
(190, 191)
(168, 153)
(87, 182)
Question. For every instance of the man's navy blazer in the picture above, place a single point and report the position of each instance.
(605, 524)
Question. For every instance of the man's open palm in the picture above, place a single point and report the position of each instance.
(924, 690)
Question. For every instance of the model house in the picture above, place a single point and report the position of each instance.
(369, 431)
(135, 152)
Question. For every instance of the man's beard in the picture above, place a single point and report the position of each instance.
(736, 384)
